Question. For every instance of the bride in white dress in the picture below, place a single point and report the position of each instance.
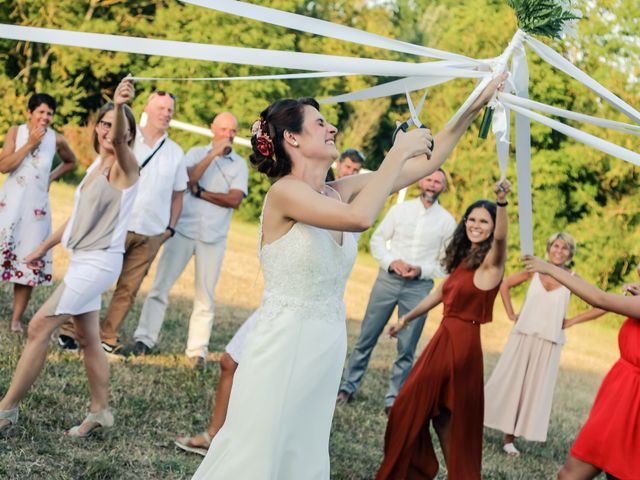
(283, 396)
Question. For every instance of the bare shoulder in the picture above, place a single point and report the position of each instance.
(286, 187)
(60, 139)
(12, 133)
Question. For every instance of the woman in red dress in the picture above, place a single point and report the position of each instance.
(610, 439)
(445, 386)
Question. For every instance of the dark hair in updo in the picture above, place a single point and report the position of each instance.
(459, 247)
(286, 114)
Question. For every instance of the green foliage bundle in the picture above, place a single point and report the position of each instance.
(543, 17)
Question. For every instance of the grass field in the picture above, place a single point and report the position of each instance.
(158, 396)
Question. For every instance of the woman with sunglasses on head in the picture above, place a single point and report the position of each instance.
(445, 386)
(25, 216)
(283, 395)
(95, 236)
(610, 439)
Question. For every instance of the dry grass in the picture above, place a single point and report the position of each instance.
(157, 397)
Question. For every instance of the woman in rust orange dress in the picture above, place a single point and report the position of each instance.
(445, 386)
(610, 439)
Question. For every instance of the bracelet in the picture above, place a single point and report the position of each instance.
(502, 204)
(171, 230)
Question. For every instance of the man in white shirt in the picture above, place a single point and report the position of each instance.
(408, 244)
(218, 179)
(163, 180)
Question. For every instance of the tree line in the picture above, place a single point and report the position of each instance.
(575, 188)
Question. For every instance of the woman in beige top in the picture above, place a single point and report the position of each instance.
(519, 392)
(95, 235)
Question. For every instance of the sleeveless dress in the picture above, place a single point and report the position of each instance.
(447, 377)
(284, 390)
(95, 237)
(25, 216)
(519, 393)
(610, 439)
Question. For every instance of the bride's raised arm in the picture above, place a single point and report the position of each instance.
(420, 166)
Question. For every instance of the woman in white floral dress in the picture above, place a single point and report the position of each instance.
(25, 216)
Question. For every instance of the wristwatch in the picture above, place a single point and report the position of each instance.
(172, 230)
(198, 192)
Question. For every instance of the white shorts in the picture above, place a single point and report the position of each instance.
(236, 344)
(89, 275)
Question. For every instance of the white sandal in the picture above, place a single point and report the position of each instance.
(101, 419)
(10, 415)
(185, 443)
(511, 450)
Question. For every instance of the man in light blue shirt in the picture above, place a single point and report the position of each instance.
(408, 244)
(218, 179)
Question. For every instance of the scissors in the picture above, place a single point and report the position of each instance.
(413, 119)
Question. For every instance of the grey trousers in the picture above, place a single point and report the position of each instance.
(388, 291)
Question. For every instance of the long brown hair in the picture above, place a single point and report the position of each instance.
(459, 247)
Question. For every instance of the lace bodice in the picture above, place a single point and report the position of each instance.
(307, 270)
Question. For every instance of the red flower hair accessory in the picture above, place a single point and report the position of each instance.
(264, 144)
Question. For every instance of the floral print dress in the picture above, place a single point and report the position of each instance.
(25, 216)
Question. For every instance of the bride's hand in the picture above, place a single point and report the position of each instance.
(413, 143)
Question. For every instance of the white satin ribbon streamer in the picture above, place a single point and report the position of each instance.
(501, 128)
(583, 137)
(238, 55)
(554, 58)
(395, 87)
(282, 76)
(519, 79)
(322, 27)
(496, 66)
(600, 122)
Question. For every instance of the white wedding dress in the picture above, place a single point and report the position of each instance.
(284, 391)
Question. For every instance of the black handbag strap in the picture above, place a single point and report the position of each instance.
(148, 159)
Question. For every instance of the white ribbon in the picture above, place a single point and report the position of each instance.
(520, 81)
(238, 55)
(554, 58)
(322, 27)
(283, 76)
(395, 87)
(583, 137)
(600, 122)
(497, 66)
(501, 129)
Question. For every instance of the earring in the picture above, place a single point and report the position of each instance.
(295, 143)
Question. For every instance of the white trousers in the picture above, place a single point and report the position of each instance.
(175, 256)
